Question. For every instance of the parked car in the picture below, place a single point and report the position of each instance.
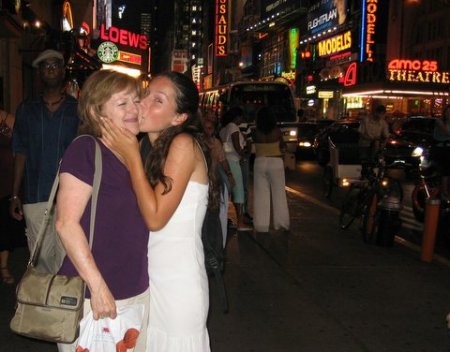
(407, 134)
(341, 132)
(306, 133)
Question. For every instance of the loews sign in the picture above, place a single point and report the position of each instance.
(123, 37)
(221, 39)
(335, 44)
(416, 71)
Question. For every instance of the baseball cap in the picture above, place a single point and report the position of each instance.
(47, 54)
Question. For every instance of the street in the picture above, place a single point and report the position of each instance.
(317, 288)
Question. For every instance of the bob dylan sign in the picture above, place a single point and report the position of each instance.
(271, 7)
(325, 14)
(221, 40)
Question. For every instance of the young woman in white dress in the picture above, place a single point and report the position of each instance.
(173, 189)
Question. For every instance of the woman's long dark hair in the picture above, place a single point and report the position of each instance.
(187, 103)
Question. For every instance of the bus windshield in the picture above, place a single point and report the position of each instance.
(250, 97)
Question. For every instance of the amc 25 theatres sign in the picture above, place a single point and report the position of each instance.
(417, 71)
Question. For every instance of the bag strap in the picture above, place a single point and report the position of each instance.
(51, 202)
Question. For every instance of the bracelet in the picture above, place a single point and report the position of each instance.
(13, 198)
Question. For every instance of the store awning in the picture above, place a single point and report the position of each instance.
(389, 90)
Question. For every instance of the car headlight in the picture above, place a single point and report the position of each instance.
(292, 133)
(417, 152)
(304, 144)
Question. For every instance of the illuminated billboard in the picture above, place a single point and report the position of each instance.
(335, 44)
(325, 14)
(222, 28)
(416, 71)
(373, 29)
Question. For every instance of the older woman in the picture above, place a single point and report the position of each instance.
(116, 268)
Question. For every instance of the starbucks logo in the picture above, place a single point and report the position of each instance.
(108, 52)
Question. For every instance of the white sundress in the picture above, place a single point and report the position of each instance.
(179, 297)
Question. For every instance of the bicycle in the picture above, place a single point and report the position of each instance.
(366, 194)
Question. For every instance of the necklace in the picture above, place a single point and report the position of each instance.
(52, 103)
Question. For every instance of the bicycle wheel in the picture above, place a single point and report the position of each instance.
(350, 206)
(327, 181)
(395, 189)
(369, 218)
(418, 198)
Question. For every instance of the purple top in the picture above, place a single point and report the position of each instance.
(120, 235)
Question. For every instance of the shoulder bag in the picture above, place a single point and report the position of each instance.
(50, 307)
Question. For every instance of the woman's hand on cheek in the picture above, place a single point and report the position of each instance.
(119, 139)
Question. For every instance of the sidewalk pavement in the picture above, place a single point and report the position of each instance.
(315, 289)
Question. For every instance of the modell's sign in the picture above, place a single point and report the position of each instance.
(335, 44)
(221, 39)
(416, 71)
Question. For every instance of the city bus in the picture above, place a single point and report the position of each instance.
(250, 96)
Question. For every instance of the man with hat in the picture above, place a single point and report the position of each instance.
(45, 125)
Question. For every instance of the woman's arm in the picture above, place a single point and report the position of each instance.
(181, 165)
(73, 196)
(283, 146)
(237, 143)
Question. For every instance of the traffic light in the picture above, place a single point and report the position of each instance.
(305, 54)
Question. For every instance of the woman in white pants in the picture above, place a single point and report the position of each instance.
(268, 174)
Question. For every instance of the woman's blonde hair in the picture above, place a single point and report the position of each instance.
(97, 90)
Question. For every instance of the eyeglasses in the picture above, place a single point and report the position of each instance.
(51, 66)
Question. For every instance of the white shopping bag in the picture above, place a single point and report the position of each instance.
(111, 335)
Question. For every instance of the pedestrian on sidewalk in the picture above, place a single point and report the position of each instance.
(45, 126)
(11, 229)
(225, 176)
(268, 174)
(233, 144)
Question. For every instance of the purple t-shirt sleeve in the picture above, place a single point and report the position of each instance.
(79, 159)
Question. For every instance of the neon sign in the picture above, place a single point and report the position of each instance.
(294, 36)
(368, 29)
(67, 14)
(335, 44)
(221, 40)
(130, 58)
(124, 37)
(413, 65)
(418, 71)
(350, 75)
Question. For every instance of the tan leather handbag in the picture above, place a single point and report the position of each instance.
(49, 306)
